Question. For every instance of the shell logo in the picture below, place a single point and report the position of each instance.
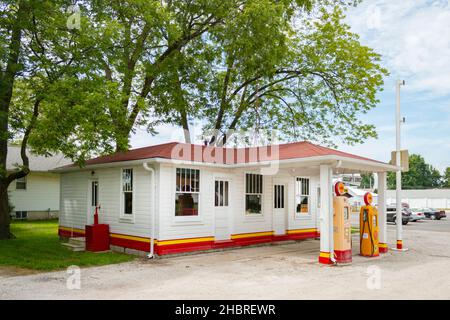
(368, 199)
(339, 189)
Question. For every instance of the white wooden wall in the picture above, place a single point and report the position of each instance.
(75, 202)
(74, 199)
(203, 226)
(42, 193)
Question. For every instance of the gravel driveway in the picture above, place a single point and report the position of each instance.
(288, 271)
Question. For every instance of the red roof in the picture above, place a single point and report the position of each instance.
(208, 154)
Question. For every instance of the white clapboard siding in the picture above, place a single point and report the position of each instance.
(75, 188)
(41, 194)
(244, 223)
(74, 199)
(110, 200)
(172, 227)
(75, 202)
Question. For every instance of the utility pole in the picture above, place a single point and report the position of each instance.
(398, 193)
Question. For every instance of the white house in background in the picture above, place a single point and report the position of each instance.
(184, 197)
(357, 196)
(37, 195)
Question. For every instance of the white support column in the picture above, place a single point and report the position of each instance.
(326, 215)
(382, 211)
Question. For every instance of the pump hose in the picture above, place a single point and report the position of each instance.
(362, 234)
(371, 238)
(370, 232)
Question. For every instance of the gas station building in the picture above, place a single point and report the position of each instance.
(176, 198)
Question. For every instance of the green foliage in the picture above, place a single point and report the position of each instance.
(421, 175)
(38, 247)
(446, 178)
(309, 80)
(367, 180)
(289, 65)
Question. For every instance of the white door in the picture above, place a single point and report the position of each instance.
(279, 208)
(221, 210)
(93, 200)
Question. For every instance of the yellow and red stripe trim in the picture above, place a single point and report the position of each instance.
(325, 258)
(251, 235)
(194, 244)
(301, 231)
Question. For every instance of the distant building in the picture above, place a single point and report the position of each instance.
(356, 195)
(37, 195)
(428, 198)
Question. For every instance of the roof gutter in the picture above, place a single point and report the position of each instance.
(340, 163)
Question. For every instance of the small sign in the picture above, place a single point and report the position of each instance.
(404, 159)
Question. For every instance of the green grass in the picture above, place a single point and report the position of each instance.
(38, 247)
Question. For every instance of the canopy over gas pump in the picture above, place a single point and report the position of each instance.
(342, 232)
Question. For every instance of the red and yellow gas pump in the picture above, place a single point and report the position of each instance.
(368, 226)
(342, 225)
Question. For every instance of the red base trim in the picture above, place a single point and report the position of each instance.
(184, 247)
(130, 244)
(343, 256)
(323, 260)
(70, 234)
(370, 256)
(143, 244)
(383, 248)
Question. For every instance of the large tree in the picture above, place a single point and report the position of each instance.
(421, 175)
(138, 42)
(309, 77)
(40, 61)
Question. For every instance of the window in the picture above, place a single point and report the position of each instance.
(187, 192)
(302, 200)
(278, 197)
(253, 193)
(94, 195)
(21, 183)
(21, 215)
(221, 194)
(127, 191)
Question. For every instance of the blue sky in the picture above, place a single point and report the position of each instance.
(413, 36)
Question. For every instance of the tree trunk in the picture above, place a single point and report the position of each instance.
(5, 218)
(7, 78)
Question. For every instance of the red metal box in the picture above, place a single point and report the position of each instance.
(97, 237)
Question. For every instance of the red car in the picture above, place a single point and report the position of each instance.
(434, 214)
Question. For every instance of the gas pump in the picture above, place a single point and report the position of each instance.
(342, 225)
(368, 226)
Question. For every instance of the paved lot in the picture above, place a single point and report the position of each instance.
(288, 271)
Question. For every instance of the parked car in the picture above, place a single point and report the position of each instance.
(417, 214)
(391, 214)
(434, 214)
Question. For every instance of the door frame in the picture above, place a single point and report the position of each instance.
(90, 214)
(281, 182)
(227, 208)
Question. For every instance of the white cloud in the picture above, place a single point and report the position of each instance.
(412, 35)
